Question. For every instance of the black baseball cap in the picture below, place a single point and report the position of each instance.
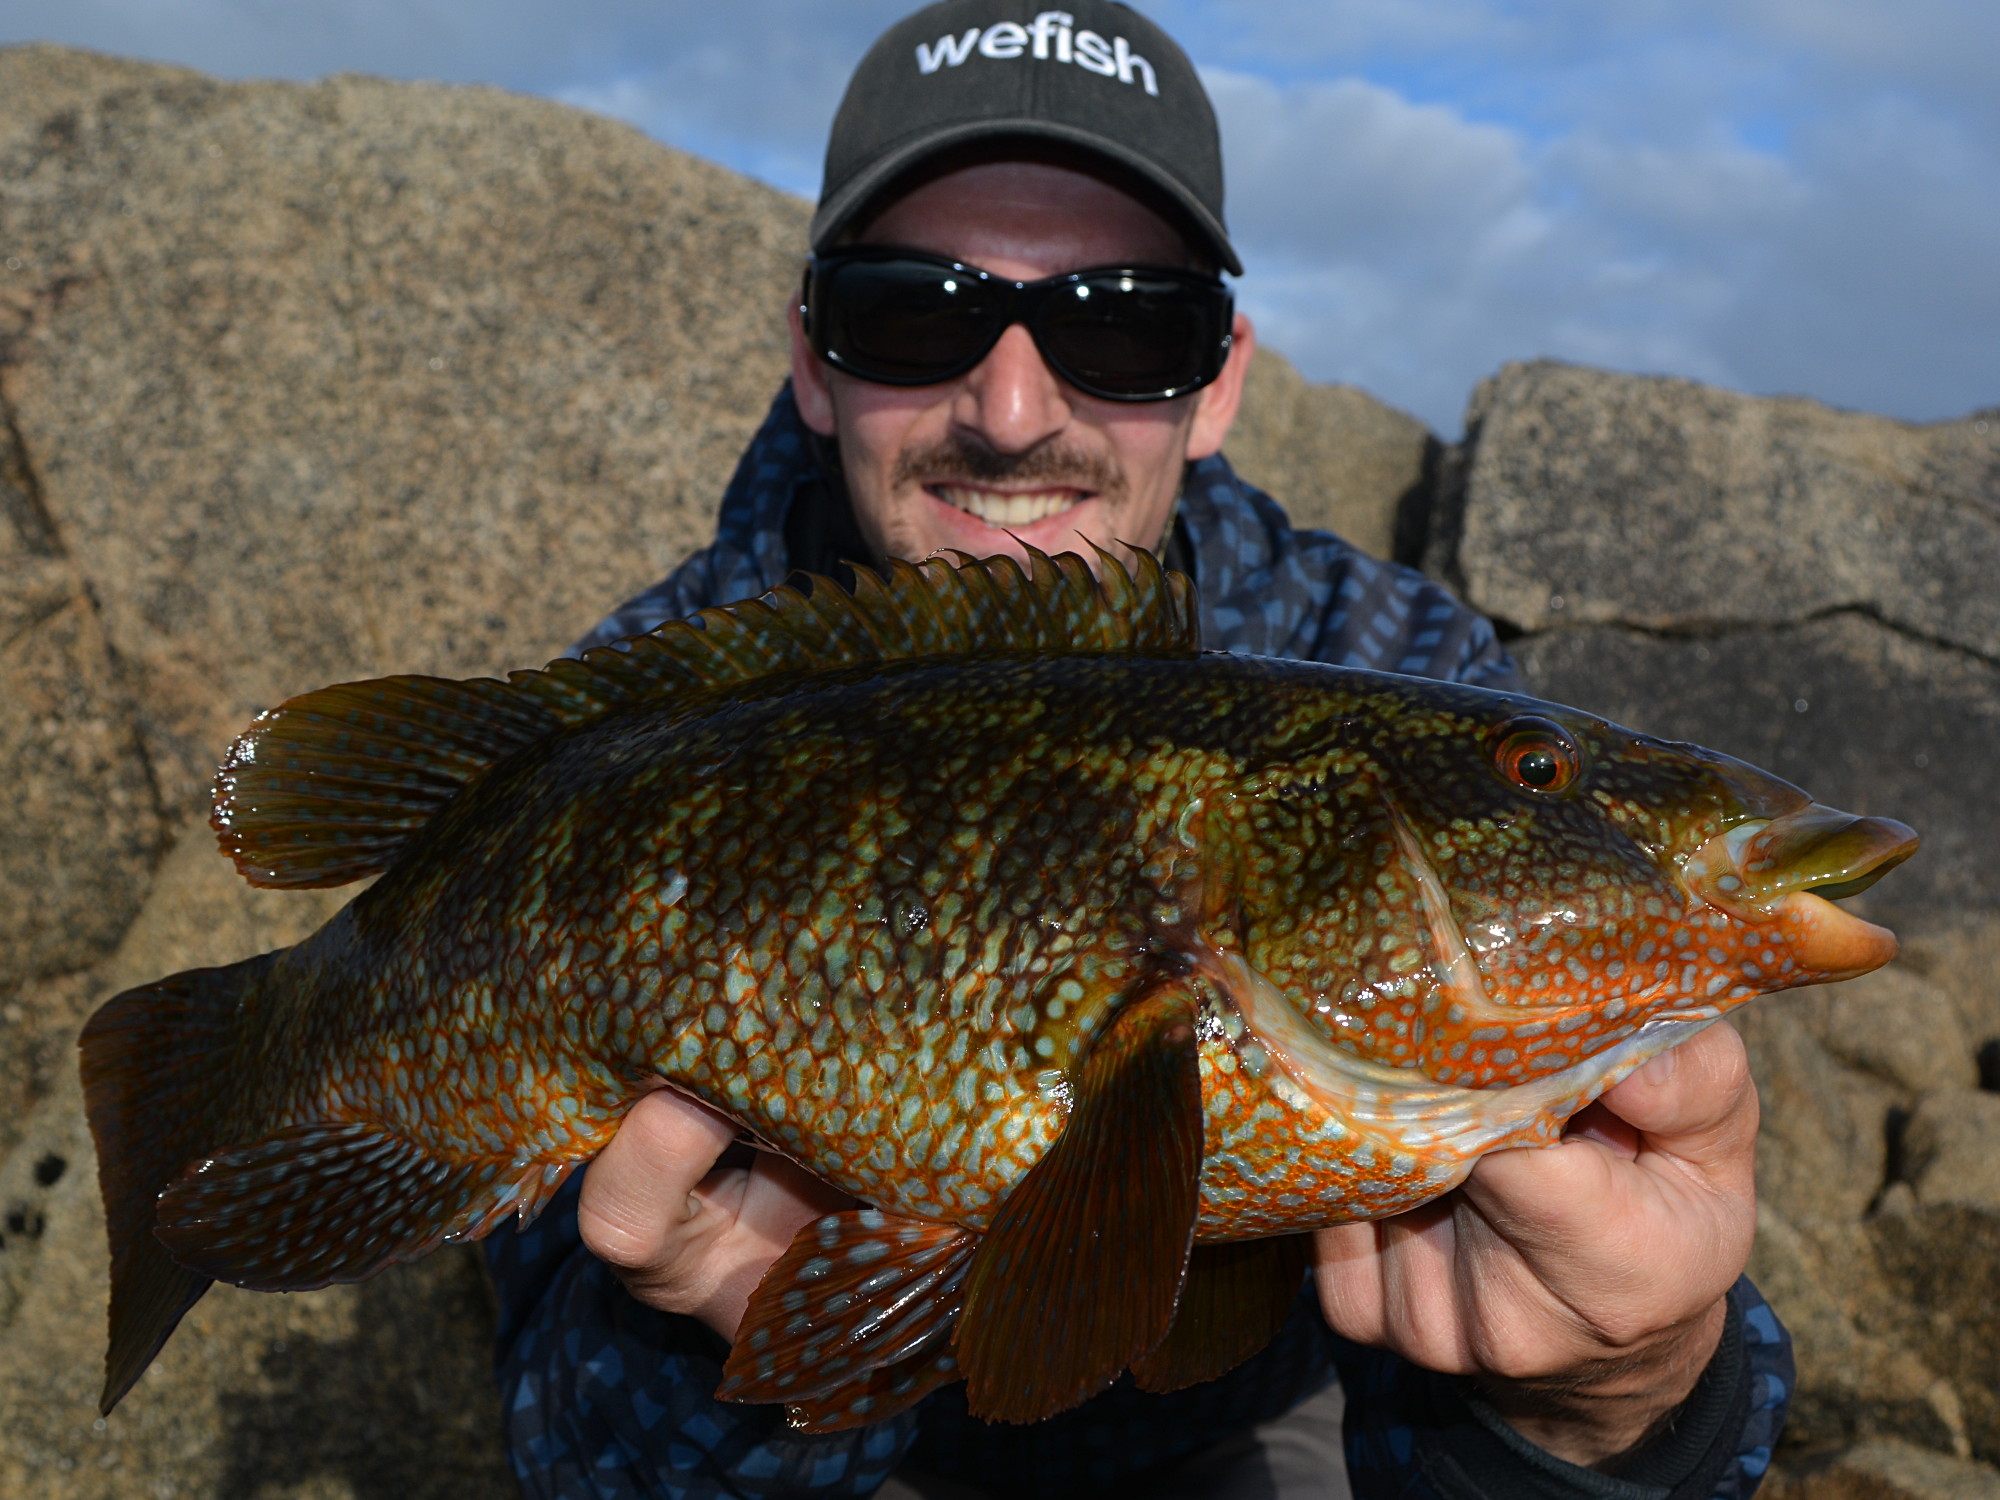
(1095, 76)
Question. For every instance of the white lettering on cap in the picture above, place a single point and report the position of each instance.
(1003, 40)
(1047, 38)
(949, 52)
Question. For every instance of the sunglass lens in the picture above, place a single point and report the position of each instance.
(904, 321)
(1130, 336)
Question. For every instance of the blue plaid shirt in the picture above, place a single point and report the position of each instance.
(606, 1399)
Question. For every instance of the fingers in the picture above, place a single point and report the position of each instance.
(1644, 1215)
(1551, 1259)
(1392, 1282)
(774, 1200)
(683, 1235)
(639, 1188)
(1695, 1102)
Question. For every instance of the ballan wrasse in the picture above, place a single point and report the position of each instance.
(1100, 967)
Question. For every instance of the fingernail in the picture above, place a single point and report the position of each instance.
(1661, 1069)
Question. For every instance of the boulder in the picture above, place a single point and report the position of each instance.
(80, 819)
(1337, 458)
(1941, 1279)
(1864, 716)
(299, 384)
(1663, 504)
(1951, 1149)
(1811, 590)
(1886, 1471)
(317, 382)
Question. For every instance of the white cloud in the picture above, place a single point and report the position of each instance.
(1776, 194)
(1347, 167)
(1705, 188)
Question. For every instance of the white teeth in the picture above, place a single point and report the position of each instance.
(1006, 510)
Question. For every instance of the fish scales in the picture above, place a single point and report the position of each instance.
(1092, 946)
(1037, 878)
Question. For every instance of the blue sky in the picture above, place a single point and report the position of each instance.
(1774, 195)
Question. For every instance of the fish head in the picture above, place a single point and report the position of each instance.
(1486, 888)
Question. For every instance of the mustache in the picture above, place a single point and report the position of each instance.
(961, 457)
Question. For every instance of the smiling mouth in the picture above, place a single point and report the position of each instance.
(1007, 508)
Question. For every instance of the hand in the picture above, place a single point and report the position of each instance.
(1581, 1285)
(683, 1235)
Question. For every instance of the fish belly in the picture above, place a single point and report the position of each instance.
(1273, 1163)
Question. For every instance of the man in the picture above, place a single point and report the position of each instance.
(1014, 334)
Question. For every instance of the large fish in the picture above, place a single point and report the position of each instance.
(1101, 968)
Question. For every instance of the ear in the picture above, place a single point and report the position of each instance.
(810, 387)
(1216, 402)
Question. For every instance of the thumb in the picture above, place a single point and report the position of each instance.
(1695, 1101)
(639, 1190)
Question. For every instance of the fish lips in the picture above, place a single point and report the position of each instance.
(1788, 871)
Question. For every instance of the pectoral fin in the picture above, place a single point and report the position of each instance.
(1078, 1276)
(1235, 1299)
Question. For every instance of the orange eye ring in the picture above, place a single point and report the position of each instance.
(1537, 755)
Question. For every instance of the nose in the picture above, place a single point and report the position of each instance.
(1011, 399)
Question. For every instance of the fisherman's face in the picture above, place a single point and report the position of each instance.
(1009, 455)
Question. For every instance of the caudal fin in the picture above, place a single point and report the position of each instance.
(151, 1059)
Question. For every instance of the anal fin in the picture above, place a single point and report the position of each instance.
(1080, 1271)
(876, 1395)
(851, 1324)
(1235, 1299)
(317, 1204)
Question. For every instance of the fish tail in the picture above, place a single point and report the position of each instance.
(150, 1058)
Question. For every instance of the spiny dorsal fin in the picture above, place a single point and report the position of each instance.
(328, 788)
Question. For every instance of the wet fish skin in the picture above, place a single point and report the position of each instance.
(881, 910)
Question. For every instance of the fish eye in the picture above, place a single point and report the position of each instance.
(1537, 755)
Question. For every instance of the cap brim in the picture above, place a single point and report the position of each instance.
(835, 213)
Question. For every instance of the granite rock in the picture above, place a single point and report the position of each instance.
(1864, 716)
(1810, 590)
(377, 1390)
(1950, 1149)
(326, 381)
(1886, 1470)
(1941, 1288)
(1336, 457)
(80, 823)
(1595, 498)
(298, 384)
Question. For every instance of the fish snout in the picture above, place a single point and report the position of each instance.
(1823, 850)
(1789, 871)
(1816, 849)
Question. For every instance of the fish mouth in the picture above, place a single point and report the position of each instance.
(1790, 870)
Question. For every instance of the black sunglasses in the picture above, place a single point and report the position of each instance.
(900, 317)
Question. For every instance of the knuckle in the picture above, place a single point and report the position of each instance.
(620, 1244)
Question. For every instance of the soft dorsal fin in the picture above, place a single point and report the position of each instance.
(328, 787)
